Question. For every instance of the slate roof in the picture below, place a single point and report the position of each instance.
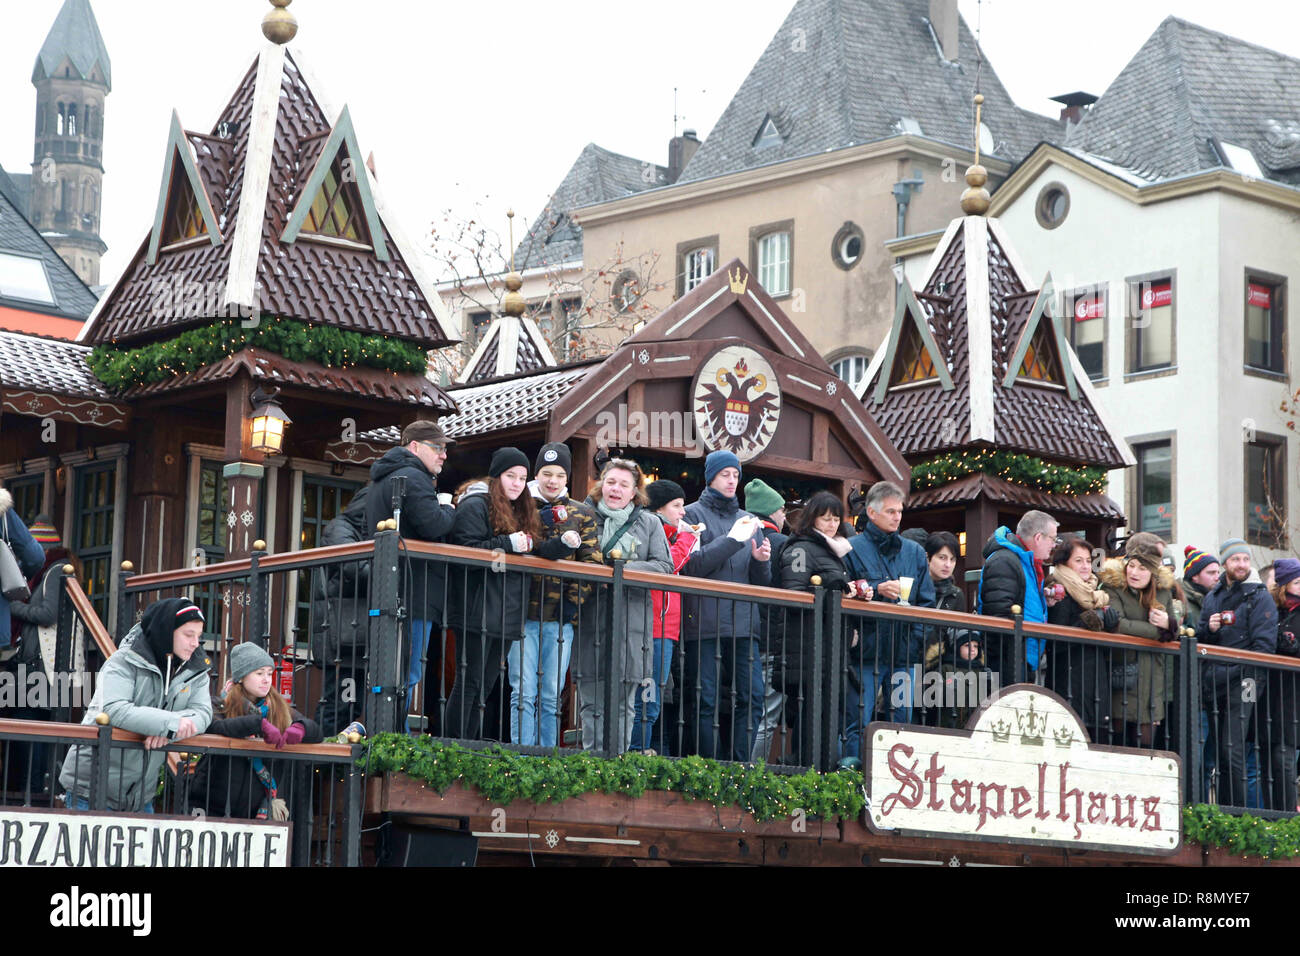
(1186, 85)
(71, 296)
(924, 419)
(74, 35)
(40, 364)
(511, 344)
(308, 280)
(598, 175)
(17, 187)
(851, 73)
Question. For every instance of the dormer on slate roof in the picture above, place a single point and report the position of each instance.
(511, 344)
(979, 358)
(272, 212)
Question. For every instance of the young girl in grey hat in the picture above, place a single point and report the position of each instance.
(250, 706)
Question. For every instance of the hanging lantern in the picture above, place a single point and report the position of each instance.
(269, 421)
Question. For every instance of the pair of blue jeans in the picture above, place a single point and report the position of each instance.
(710, 662)
(537, 666)
(649, 701)
(859, 704)
(415, 668)
(75, 802)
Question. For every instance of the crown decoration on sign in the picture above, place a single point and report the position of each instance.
(738, 281)
(1032, 726)
(1001, 731)
(1063, 735)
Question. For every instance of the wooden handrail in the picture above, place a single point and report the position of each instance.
(86, 611)
(47, 728)
(183, 576)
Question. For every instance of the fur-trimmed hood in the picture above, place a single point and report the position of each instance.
(1112, 575)
(6, 501)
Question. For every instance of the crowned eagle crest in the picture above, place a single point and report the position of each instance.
(737, 402)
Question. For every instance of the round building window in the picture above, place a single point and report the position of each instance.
(846, 247)
(1053, 205)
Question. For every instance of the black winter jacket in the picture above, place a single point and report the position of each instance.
(482, 599)
(422, 519)
(719, 558)
(340, 593)
(1255, 629)
(879, 557)
(227, 786)
(791, 631)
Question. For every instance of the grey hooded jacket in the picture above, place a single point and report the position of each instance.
(130, 689)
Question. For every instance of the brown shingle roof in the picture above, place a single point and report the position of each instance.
(972, 487)
(35, 363)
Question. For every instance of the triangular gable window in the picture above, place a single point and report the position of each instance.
(912, 354)
(1040, 355)
(336, 210)
(913, 363)
(768, 134)
(183, 219)
(1040, 360)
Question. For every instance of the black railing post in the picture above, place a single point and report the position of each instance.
(100, 761)
(257, 628)
(125, 603)
(67, 622)
(301, 775)
(616, 642)
(830, 675)
(383, 676)
(1018, 654)
(1189, 733)
(352, 810)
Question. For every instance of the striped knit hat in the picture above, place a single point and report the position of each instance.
(1230, 547)
(46, 535)
(1194, 561)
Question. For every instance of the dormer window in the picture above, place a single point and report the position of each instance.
(913, 363)
(184, 219)
(1040, 363)
(768, 134)
(335, 210)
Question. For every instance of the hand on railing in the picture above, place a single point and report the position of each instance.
(860, 590)
(271, 734)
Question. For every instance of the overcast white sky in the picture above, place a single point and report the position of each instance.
(478, 107)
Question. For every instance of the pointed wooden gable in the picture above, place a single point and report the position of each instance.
(728, 359)
(296, 227)
(511, 344)
(1014, 383)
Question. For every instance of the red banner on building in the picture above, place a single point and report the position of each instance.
(1089, 307)
(1259, 295)
(1157, 294)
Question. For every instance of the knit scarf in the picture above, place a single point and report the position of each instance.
(615, 518)
(263, 774)
(1083, 590)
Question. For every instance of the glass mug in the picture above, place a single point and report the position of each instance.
(904, 590)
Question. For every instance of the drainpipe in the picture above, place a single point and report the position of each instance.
(903, 190)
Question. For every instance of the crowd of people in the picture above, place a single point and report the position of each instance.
(735, 668)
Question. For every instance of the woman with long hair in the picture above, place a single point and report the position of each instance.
(486, 606)
(1078, 672)
(629, 531)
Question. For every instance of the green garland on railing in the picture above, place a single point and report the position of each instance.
(121, 368)
(1016, 468)
(503, 776)
(1249, 836)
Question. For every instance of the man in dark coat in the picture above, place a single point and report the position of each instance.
(764, 502)
(1229, 690)
(426, 515)
(1012, 576)
(721, 636)
(1201, 573)
(885, 651)
(340, 600)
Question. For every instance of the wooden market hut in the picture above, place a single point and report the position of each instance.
(978, 388)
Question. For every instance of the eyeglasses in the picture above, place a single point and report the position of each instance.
(624, 463)
(436, 447)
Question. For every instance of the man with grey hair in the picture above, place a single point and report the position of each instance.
(898, 571)
(1014, 567)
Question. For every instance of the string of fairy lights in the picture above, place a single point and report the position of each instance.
(121, 368)
(1016, 468)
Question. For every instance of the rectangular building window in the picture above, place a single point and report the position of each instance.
(696, 260)
(1265, 487)
(1151, 321)
(699, 266)
(29, 494)
(774, 263)
(211, 540)
(1086, 312)
(1154, 489)
(478, 324)
(92, 534)
(323, 499)
(1265, 323)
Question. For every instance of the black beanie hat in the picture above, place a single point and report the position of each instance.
(554, 453)
(503, 459)
(160, 622)
(663, 491)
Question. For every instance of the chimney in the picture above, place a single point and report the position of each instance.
(680, 150)
(1073, 105)
(943, 21)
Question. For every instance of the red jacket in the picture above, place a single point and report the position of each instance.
(668, 620)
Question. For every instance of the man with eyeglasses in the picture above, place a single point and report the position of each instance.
(426, 515)
(1013, 572)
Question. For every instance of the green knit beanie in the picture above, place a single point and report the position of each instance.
(761, 500)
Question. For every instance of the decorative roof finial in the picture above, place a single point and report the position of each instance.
(513, 301)
(279, 25)
(975, 199)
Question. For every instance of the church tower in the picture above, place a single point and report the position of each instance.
(72, 77)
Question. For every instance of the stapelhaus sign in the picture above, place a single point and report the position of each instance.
(1024, 771)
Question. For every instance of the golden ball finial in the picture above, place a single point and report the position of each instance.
(259, 545)
(279, 25)
(979, 99)
(101, 718)
(128, 566)
(975, 199)
(68, 569)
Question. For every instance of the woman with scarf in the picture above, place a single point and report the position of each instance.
(1140, 587)
(1078, 671)
(156, 684)
(250, 788)
(631, 532)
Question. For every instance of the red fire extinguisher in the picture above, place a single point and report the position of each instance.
(284, 677)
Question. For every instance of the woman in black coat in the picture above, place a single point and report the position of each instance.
(816, 548)
(1278, 735)
(1081, 672)
(486, 606)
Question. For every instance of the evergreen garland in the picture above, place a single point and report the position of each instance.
(296, 341)
(502, 776)
(1019, 469)
(1245, 835)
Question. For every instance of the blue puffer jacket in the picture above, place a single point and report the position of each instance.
(1004, 582)
(30, 555)
(879, 556)
(722, 559)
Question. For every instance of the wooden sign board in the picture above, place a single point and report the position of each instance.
(32, 837)
(1024, 771)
